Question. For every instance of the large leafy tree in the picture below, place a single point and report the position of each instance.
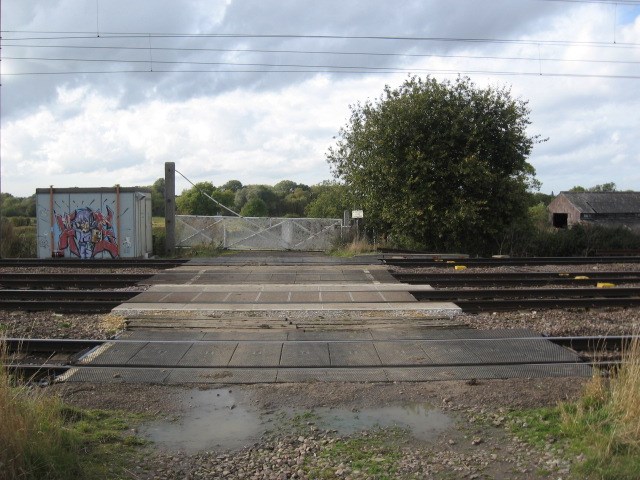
(438, 165)
(197, 200)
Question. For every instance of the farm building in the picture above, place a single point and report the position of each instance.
(611, 209)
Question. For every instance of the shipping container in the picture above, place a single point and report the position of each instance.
(100, 223)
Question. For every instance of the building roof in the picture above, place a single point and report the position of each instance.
(604, 202)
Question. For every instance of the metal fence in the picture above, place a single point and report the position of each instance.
(251, 233)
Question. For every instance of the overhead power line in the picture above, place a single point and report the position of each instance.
(301, 52)
(290, 71)
(131, 35)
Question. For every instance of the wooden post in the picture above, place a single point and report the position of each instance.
(170, 207)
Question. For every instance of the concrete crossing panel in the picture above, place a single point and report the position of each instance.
(256, 354)
(112, 353)
(350, 354)
(305, 354)
(209, 354)
(448, 352)
(160, 354)
(401, 353)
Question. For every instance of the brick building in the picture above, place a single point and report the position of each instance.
(611, 209)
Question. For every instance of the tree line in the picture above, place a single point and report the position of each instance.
(286, 198)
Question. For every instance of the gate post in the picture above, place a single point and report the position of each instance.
(170, 207)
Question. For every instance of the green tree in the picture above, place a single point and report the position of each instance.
(255, 207)
(18, 206)
(157, 198)
(194, 201)
(263, 192)
(605, 187)
(232, 185)
(329, 200)
(440, 165)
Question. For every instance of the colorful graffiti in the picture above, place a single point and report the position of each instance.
(86, 233)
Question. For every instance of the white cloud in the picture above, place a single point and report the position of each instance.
(263, 127)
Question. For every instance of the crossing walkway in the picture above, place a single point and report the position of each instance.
(258, 320)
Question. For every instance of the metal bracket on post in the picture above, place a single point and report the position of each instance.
(170, 207)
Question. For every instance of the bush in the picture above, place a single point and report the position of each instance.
(18, 242)
(20, 221)
(159, 236)
(580, 240)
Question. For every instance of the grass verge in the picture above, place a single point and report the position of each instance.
(599, 433)
(42, 438)
(356, 247)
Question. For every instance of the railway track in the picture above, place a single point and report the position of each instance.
(482, 300)
(159, 263)
(87, 301)
(71, 280)
(38, 358)
(416, 261)
(516, 279)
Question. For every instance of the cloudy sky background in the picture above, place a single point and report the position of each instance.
(103, 92)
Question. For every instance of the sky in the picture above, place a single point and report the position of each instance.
(103, 92)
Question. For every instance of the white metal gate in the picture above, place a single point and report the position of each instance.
(258, 233)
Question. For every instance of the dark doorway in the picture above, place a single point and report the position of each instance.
(560, 220)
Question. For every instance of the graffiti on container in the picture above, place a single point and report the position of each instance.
(86, 233)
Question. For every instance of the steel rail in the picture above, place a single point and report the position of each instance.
(94, 263)
(461, 281)
(501, 262)
(590, 342)
(71, 280)
(593, 274)
(67, 295)
(95, 306)
(538, 293)
(61, 345)
(490, 305)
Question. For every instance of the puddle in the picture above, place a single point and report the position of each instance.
(421, 421)
(213, 420)
(219, 420)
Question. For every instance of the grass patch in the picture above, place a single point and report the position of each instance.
(42, 438)
(375, 454)
(602, 428)
(356, 247)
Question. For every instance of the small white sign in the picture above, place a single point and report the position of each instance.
(357, 214)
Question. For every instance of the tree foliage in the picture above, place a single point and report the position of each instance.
(18, 206)
(605, 187)
(329, 200)
(196, 201)
(440, 165)
(255, 207)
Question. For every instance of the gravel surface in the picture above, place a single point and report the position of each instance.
(477, 443)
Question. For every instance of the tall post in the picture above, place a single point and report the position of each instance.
(170, 207)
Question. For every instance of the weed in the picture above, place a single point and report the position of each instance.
(41, 437)
(356, 247)
(375, 454)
